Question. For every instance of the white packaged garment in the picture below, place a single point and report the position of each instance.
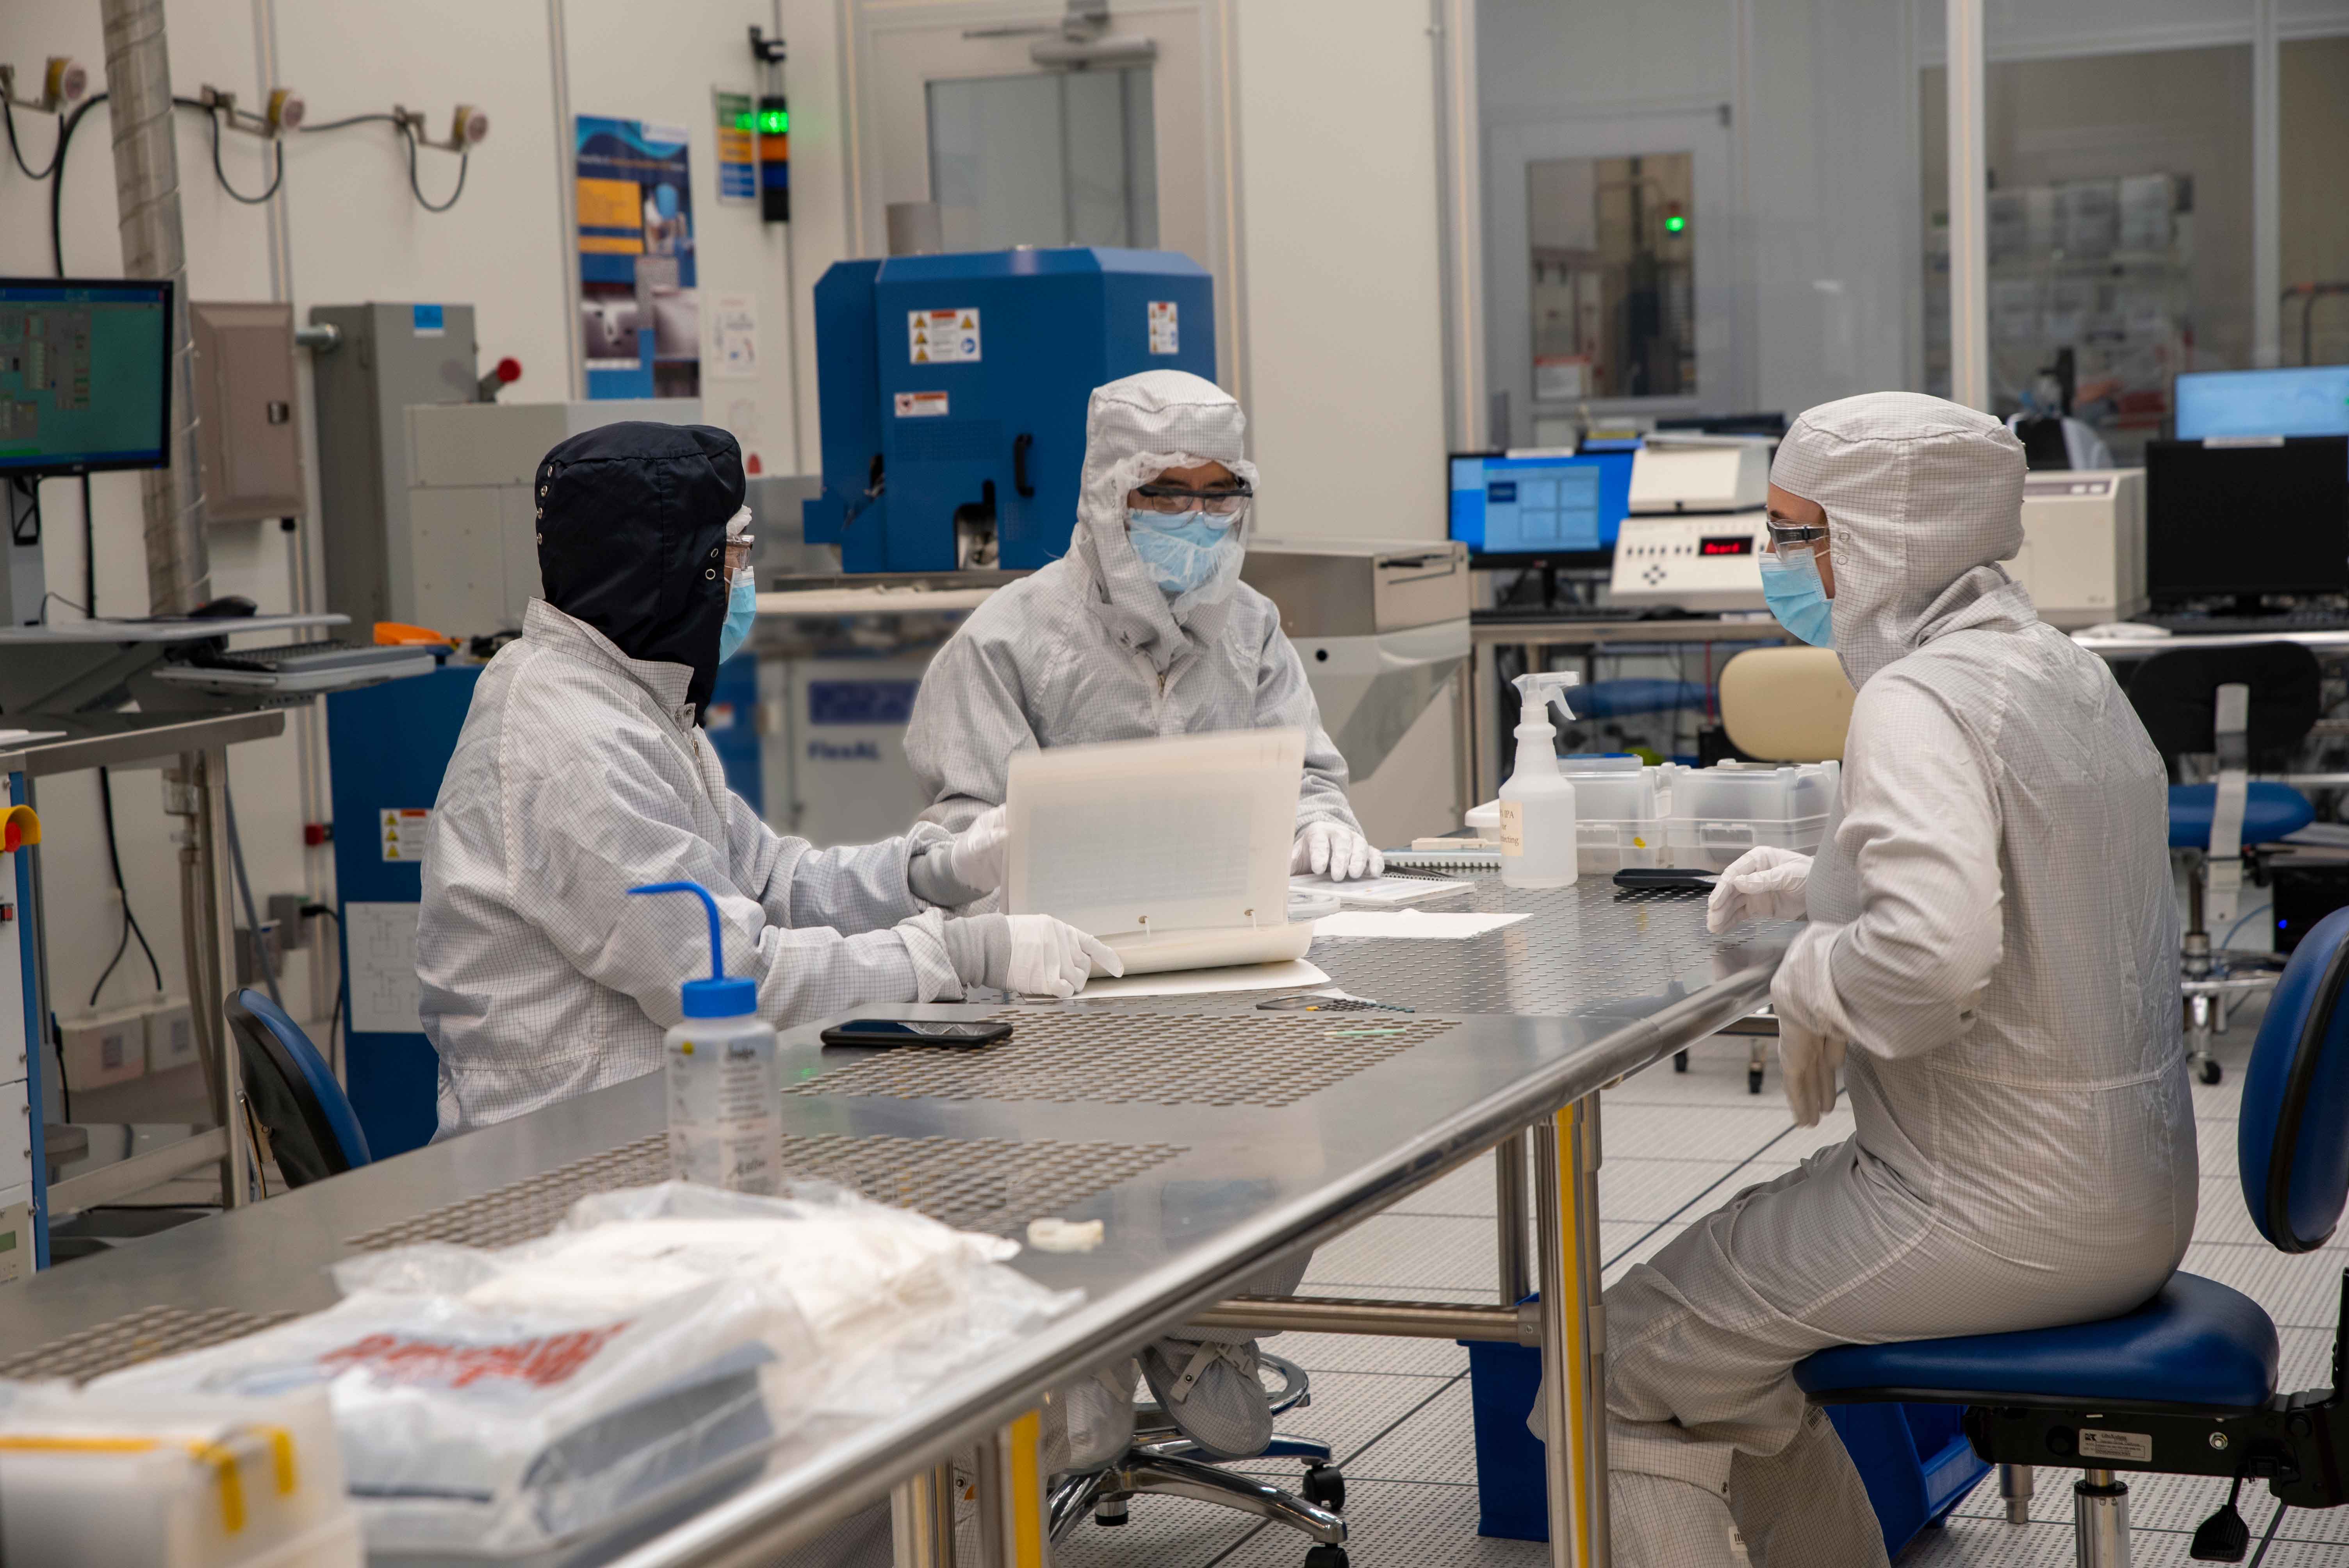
(98, 1479)
(500, 1404)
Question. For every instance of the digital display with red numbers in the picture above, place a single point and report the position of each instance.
(1720, 544)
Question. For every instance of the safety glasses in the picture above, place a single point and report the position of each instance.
(1223, 500)
(737, 555)
(1789, 539)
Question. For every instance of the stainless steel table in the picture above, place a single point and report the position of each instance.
(1212, 1138)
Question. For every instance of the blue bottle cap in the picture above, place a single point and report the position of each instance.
(716, 998)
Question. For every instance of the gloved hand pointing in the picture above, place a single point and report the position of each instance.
(1027, 954)
(1335, 850)
(1765, 883)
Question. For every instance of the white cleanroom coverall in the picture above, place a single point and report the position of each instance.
(1991, 929)
(1091, 649)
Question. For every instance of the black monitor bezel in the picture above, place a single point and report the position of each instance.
(1515, 560)
(37, 469)
(2165, 593)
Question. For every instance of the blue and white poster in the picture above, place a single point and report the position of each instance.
(639, 303)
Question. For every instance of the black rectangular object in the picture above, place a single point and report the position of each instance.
(916, 1032)
(2245, 517)
(2305, 895)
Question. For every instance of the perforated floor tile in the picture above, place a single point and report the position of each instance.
(1170, 1058)
(1319, 1353)
(1635, 1246)
(1701, 1132)
(136, 1337)
(1967, 1542)
(1409, 1251)
(2221, 1216)
(1437, 1442)
(1716, 1075)
(1159, 1532)
(2218, 1144)
(1466, 1192)
(980, 1184)
(1350, 1410)
(1394, 1524)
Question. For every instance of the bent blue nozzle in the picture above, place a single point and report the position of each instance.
(718, 996)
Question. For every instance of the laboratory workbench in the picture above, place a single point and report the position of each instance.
(1212, 1138)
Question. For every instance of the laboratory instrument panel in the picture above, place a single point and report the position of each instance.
(953, 392)
(1707, 561)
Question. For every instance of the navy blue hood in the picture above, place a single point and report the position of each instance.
(632, 539)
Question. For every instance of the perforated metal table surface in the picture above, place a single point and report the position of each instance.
(1210, 1137)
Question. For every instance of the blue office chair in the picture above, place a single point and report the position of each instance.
(2243, 706)
(2185, 1385)
(313, 1131)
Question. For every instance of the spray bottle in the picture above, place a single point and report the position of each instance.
(1537, 837)
(725, 1100)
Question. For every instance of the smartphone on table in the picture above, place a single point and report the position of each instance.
(872, 1032)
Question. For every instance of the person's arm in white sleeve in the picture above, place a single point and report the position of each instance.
(1283, 701)
(1920, 823)
(586, 835)
(968, 720)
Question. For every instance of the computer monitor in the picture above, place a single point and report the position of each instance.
(2246, 516)
(1551, 509)
(2305, 400)
(85, 375)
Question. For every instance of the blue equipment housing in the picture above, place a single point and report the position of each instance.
(992, 425)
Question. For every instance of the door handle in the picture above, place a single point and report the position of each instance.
(1020, 445)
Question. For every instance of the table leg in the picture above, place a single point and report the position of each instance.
(1574, 1412)
(1509, 1207)
(1012, 1503)
(922, 1520)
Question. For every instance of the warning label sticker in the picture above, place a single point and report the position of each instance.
(942, 336)
(1162, 336)
(403, 831)
(921, 404)
(2131, 1447)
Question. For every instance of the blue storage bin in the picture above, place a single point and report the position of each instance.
(1916, 1462)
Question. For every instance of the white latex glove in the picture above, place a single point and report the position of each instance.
(1765, 883)
(974, 859)
(1053, 958)
(1335, 850)
(1813, 1031)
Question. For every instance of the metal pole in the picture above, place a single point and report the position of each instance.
(1969, 210)
(1567, 1415)
(2266, 188)
(1594, 1311)
(2100, 1520)
(921, 1519)
(1509, 1207)
(213, 952)
(1012, 1504)
(147, 199)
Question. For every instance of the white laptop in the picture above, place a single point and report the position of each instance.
(1173, 851)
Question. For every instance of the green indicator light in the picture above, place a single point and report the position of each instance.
(775, 121)
(1675, 223)
(745, 122)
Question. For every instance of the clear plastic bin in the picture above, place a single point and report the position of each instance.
(1719, 812)
(1617, 821)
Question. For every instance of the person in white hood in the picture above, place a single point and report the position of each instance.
(1991, 958)
(1142, 629)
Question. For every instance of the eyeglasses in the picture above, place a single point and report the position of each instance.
(1224, 502)
(738, 554)
(1785, 535)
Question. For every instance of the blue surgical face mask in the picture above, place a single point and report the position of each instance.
(1797, 598)
(741, 609)
(1181, 550)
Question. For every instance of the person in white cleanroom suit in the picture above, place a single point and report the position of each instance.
(1991, 959)
(581, 772)
(1144, 629)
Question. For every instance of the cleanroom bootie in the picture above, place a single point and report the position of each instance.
(1211, 1391)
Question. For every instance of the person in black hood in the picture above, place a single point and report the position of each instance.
(581, 772)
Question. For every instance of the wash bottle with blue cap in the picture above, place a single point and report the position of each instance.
(725, 1100)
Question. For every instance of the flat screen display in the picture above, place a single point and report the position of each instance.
(85, 375)
(2247, 515)
(1540, 506)
(2305, 400)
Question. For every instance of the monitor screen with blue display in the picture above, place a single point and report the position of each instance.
(1545, 506)
(2307, 400)
(85, 375)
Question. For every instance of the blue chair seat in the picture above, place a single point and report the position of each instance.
(2198, 1345)
(2270, 812)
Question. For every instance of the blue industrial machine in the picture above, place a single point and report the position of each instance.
(953, 393)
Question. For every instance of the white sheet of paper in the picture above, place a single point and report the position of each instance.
(386, 996)
(1418, 924)
(1379, 893)
(1201, 982)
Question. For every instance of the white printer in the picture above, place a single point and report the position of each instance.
(2082, 557)
(1695, 534)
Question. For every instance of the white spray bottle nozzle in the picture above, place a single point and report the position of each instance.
(1538, 690)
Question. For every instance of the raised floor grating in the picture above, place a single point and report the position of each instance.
(142, 1335)
(1155, 1058)
(975, 1184)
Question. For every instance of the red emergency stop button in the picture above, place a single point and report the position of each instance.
(18, 827)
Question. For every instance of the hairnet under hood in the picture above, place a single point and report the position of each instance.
(1135, 428)
(1924, 498)
(631, 539)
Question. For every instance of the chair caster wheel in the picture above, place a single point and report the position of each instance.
(1679, 1061)
(2212, 1072)
(1326, 1487)
(1326, 1557)
(1753, 1080)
